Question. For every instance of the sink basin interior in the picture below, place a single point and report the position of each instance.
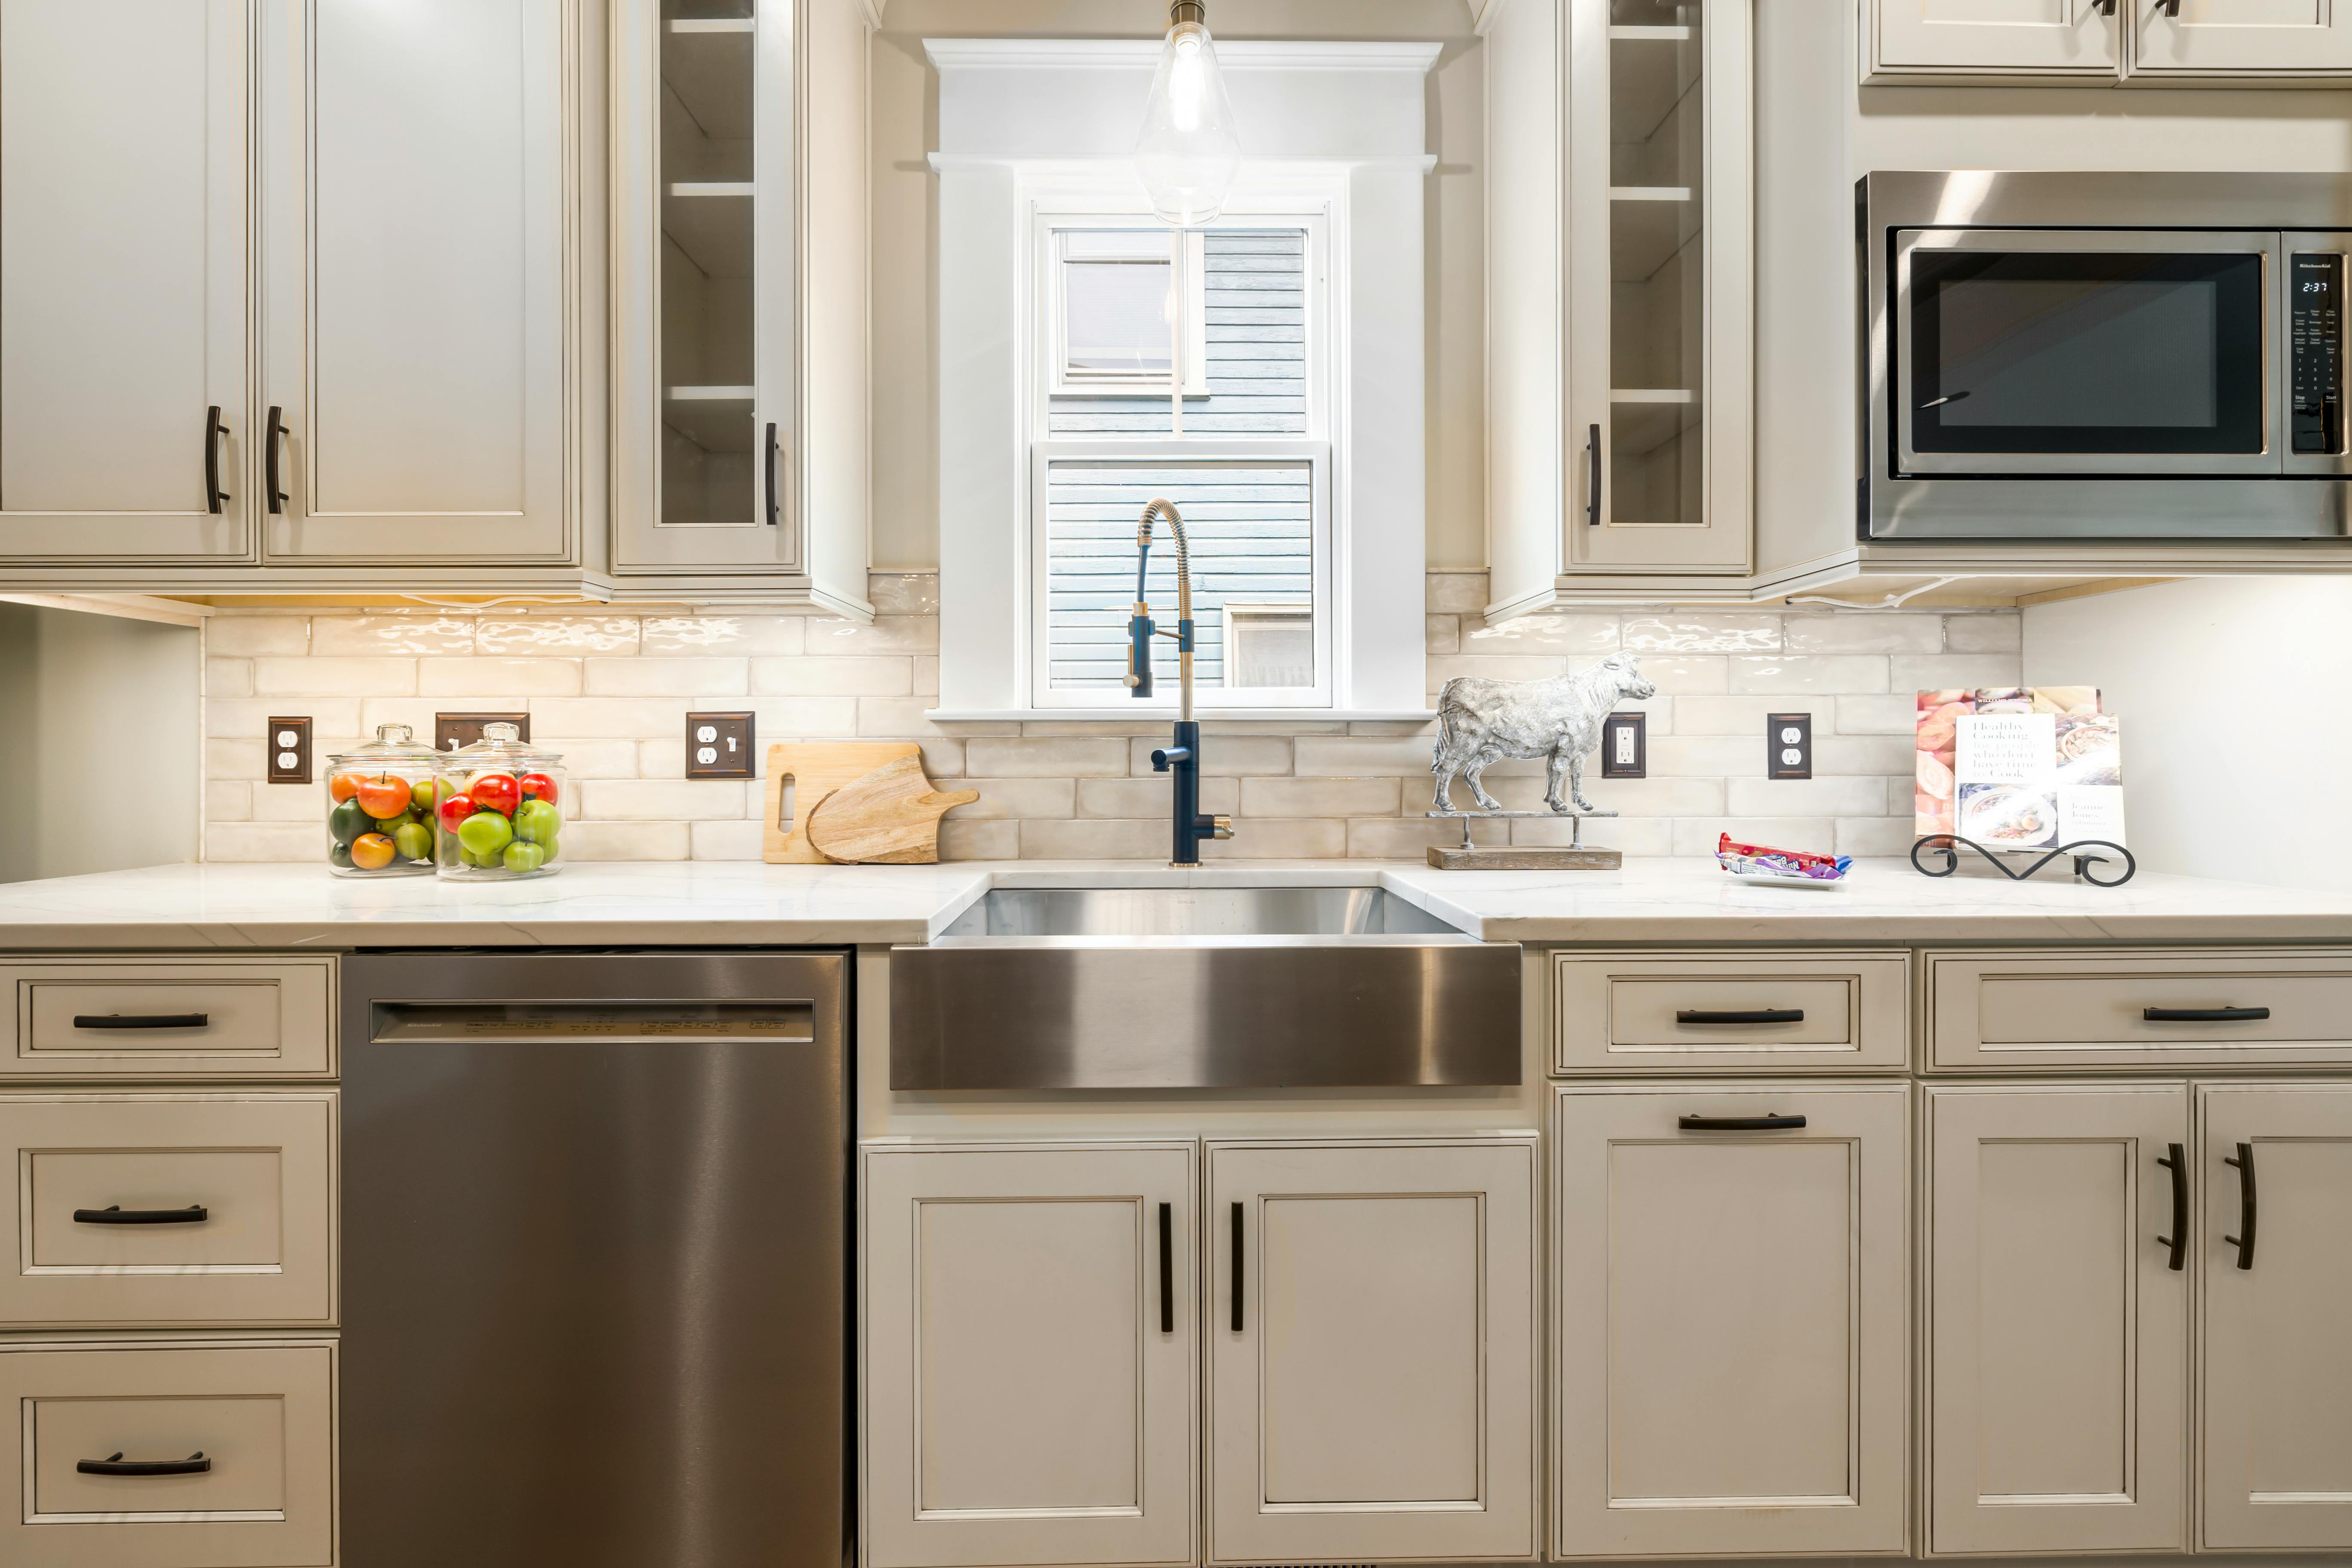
(1194, 912)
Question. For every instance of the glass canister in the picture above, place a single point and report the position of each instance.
(500, 809)
(380, 806)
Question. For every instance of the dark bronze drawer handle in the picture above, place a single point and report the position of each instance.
(1753, 1016)
(1167, 1268)
(2205, 1015)
(142, 1020)
(115, 1213)
(2176, 1159)
(1774, 1122)
(2244, 1240)
(195, 1464)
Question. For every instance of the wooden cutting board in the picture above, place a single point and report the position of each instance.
(815, 769)
(889, 817)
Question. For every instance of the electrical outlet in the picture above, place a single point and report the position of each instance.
(719, 746)
(1625, 746)
(289, 751)
(451, 730)
(1789, 745)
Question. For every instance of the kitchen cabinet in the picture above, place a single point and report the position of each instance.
(1620, 300)
(740, 293)
(2056, 1317)
(1371, 1367)
(1030, 1344)
(1731, 1349)
(2057, 40)
(2246, 40)
(2275, 1422)
(1729, 1011)
(124, 158)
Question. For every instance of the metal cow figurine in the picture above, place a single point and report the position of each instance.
(1480, 722)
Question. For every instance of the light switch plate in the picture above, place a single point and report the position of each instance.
(1789, 746)
(1625, 746)
(451, 730)
(289, 751)
(719, 746)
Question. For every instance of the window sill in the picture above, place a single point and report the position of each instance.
(1166, 713)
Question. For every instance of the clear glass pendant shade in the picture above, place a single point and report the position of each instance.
(1188, 153)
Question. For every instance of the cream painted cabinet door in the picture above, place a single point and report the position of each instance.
(2255, 39)
(1030, 1336)
(2023, 38)
(2275, 1378)
(1371, 1321)
(2057, 1319)
(415, 281)
(123, 176)
(1732, 1349)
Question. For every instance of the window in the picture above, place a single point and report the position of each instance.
(1121, 301)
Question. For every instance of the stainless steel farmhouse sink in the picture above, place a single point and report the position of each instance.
(1133, 988)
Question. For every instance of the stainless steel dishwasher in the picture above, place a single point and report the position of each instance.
(595, 1260)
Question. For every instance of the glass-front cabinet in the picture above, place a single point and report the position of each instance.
(1658, 284)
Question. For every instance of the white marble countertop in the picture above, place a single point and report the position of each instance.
(673, 903)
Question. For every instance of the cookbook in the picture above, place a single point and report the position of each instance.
(2019, 767)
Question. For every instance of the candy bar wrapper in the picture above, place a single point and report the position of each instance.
(1757, 860)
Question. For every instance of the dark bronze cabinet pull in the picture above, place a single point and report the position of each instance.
(1167, 1268)
(269, 440)
(771, 467)
(195, 1464)
(1237, 1268)
(115, 1213)
(142, 1020)
(214, 431)
(2244, 1240)
(1772, 1122)
(1752, 1015)
(2205, 1015)
(1592, 476)
(2176, 1159)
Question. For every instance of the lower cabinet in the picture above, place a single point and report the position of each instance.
(1731, 1353)
(1033, 1336)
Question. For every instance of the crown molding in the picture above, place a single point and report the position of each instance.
(1482, 13)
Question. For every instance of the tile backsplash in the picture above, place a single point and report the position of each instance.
(610, 689)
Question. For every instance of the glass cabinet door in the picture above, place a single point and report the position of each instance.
(1658, 284)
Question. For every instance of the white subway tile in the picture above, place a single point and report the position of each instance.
(651, 799)
(801, 718)
(625, 841)
(1280, 838)
(1023, 797)
(1810, 673)
(927, 675)
(2000, 631)
(942, 757)
(1874, 836)
(609, 718)
(292, 802)
(587, 758)
(377, 636)
(1051, 727)
(1222, 756)
(228, 800)
(1093, 838)
(1743, 715)
(1443, 668)
(987, 840)
(810, 677)
(1441, 634)
(232, 635)
(239, 718)
(1149, 796)
(1849, 796)
(1403, 837)
(334, 677)
(1627, 835)
(1895, 714)
(228, 678)
(1549, 633)
(1943, 672)
(478, 678)
(251, 841)
(1706, 756)
(1890, 756)
(1812, 834)
(1897, 631)
(1067, 757)
(1318, 797)
(834, 636)
(1456, 592)
(1388, 729)
(725, 840)
(1360, 757)
(558, 636)
(695, 677)
(238, 758)
(653, 759)
(1701, 632)
(903, 593)
(728, 635)
(1687, 674)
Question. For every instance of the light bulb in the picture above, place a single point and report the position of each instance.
(1187, 154)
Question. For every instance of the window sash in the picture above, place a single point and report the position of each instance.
(1190, 338)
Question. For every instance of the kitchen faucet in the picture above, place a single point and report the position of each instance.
(1183, 758)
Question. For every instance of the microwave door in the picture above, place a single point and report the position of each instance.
(2031, 353)
(2311, 386)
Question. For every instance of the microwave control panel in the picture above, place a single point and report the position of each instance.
(2317, 346)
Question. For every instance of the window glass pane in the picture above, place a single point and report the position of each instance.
(1269, 647)
(708, 397)
(1657, 254)
(1252, 531)
(1119, 316)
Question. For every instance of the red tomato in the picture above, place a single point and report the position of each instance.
(455, 810)
(495, 792)
(539, 786)
(385, 796)
(342, 787)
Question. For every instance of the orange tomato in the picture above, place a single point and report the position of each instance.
(385, 796)
(372, 851)
(342, 787)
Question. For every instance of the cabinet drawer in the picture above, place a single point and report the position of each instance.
(81, 1018)
(1708, 1012)
(2024, 1012)
(260, 1168)
(260, 1416)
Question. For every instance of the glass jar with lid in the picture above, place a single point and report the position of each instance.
(380, 806)
(500, 808)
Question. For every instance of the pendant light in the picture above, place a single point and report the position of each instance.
(1188, 153)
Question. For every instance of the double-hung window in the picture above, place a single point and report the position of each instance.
(1191, 366)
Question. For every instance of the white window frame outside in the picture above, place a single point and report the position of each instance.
(1192, 349)
(1238, 611)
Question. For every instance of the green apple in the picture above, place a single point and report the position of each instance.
(413, 840)
(486, 833)
(521, 856)
(420, 794)
(348, 821)
(538, 822)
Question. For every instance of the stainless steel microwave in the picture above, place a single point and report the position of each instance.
(2051, 356)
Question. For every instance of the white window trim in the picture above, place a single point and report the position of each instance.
(1191, 351)
(1028, 126)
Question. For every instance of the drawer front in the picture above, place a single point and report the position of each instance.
(258, 1169)
(261, 1418)
(96, 1019)
(2027, 1012)
(1712, 1011)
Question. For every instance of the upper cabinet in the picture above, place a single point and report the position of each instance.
(1619, 293)
(740, 273)
(123, 314)
(2149, 42)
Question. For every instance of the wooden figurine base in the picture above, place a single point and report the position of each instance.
(1524, 857)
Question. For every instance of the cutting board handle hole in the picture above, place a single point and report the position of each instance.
(784, 804)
